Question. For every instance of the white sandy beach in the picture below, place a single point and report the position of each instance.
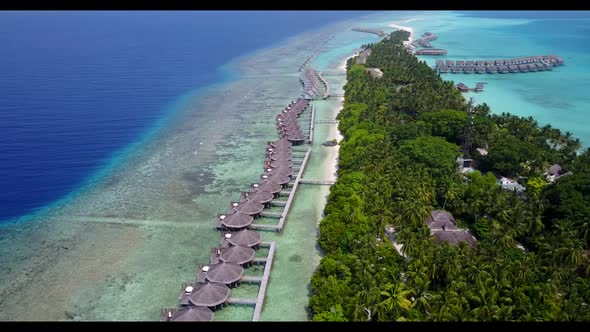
(330, 172)
(403, 27)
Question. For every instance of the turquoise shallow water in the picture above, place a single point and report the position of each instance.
(559, 97)
(121, 250)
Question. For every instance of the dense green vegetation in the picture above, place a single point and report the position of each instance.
(402, 134)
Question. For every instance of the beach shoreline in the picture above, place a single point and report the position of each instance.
(404, 27)
(333, 132)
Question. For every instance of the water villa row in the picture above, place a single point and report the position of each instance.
(518, 65)
(314, 85)
(378, 32)
(239, 241)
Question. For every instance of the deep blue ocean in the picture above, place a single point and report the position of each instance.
(76, 87)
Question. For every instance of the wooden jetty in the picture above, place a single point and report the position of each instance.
(320, 182)
(264, 283)
(293, 190)
(431, 51)
(311, 124)
(502, 66)
(378, 32)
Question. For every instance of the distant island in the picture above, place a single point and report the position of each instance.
(445, 211)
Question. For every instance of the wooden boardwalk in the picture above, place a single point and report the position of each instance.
(264, 227)
(271, 215)
(311, 124)
(322, 182)
(293, 190)
(264, 283)
(377, 32)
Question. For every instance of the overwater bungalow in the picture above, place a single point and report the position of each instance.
(460, 63)
(262, 197)
(513, 69)
(237, 254)
(276, 178)
(235, 220)
(503, 69)
(469, 69)
(271, 187)
(247, 237)
(210, 294)
(247, 207)
(523, 68)
(450, 62)
(491, 69)
(443, 69)
(187, 314)
(280, 142)
(480, 69)
(462, 87)
(225, 273)
(469, 63)
(284, 170)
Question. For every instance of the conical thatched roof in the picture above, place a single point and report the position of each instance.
(248, 207)
(285, 170)
(277, 178)
(283, 148)
(236, 220)
(192, 314)
(209, 294)
(271, 187)
(281, 142)
(261, 197)
(248, 238)
(237, 254)
(296, 138)
(281, 156)
(226, 273)
(281, 163)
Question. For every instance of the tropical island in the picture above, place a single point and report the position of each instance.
(445, 211)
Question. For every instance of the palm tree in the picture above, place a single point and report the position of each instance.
(395, 298)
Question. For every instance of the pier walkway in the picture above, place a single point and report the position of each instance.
(319, 182)
(311, 124)
(264, 283)
(377, 32)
